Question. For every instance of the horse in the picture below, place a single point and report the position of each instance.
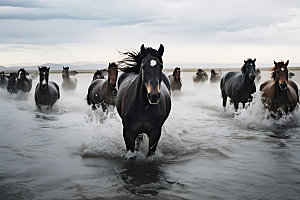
(69, 83)
(144, 97)
(3, 80)
(257, 75)
(239, 86)
(280, 95)
(11, 85)
(46, 92)
(200, 76)
(175, 80)
(98, 75)
(103, 91)
(214, 76)
(23, 83)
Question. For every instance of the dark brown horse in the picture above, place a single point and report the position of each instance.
(200, 76)
(104, 91)
(143, 100)
(280, 95)
(214, 76)
(175, 79)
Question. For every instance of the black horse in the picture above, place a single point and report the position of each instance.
(12, 83)
(69, 83)
(46, 92)
(214, 76)
(239, 86)
(102, 91)
(3, 80)
(98, 75)
(23, 84)
(143, 99)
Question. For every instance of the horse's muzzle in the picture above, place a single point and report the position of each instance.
(252, 77)
(153, 98)
(283, 86)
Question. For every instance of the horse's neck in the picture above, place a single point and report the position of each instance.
(141, 93)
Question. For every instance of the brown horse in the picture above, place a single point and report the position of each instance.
(200, 76)
(104, 91)
(280, 95)
(175, 80)
(214, 76)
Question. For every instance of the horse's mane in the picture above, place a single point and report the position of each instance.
(273, 70)
(133, 59)
(175, 70)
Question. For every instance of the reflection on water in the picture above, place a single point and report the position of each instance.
(74, 152)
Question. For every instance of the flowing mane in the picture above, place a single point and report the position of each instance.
(133, 59)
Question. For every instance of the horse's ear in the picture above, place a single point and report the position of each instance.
(254, 60)
(48, 68)
(245, 61)
(143, 50)
(161, 50)
(39, 68)
(275, 62)
(287, 62)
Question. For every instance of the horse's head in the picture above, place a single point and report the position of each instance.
(98, 75)
(112, 74)
(213, 72)
(2, 75)
(151, 72)
(176, 73)
(12, 77)
(249, 68)
(280, 74)
(65, 72)
(21, 74)
(44, 76)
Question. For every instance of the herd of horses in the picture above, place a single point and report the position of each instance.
(142, 93)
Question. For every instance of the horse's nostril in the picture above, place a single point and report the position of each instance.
(283, 85)
(153, 98)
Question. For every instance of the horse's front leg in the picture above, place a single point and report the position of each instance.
(129, 139)
(236, 105)
(153, 140)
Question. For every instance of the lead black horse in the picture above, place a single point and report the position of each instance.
(23, 83)
(46, 92)
(143, 99)
(239, 86)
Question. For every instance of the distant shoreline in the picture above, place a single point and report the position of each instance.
(165, 70)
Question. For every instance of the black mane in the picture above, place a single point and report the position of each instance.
(133, 59)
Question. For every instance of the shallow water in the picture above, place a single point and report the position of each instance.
(204, 152)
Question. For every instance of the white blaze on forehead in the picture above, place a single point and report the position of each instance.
(282, 69)
(153, 63)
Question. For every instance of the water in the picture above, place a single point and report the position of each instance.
(205, 152)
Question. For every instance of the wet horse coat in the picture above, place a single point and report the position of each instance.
(175, 80)
(280, 95)
(102, 91)
(23, 83)
(143, 99)
(46, 92)
(239, 86)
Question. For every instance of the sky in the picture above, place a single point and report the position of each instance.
(194, 32)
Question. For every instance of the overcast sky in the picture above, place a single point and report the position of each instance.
(192, 31)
